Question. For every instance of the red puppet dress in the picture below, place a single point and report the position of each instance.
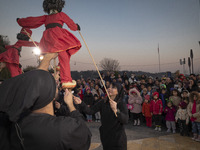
(11, 55)
(56, 39)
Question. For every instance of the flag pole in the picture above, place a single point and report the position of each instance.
(159, 57)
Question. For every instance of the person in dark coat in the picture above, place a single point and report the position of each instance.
(114, 115)
(27, 120)
(88, 99)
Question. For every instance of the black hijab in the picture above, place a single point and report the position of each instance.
(26, 92)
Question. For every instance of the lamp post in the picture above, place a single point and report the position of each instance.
(189, 65)
(37, 52)
(183, 65)
(181, 62)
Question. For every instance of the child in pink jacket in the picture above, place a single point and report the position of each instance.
(136, 100)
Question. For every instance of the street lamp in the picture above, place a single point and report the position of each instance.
(37, 52)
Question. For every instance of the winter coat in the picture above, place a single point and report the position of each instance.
(135, 100)
(146, 109)
(197, 114)
(88, 99)
(170, 113)
(182, 114)
(175, 100)
(156, 107)
(112, 130)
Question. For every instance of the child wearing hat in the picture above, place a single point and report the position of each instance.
(170, 111)
(185, 96)
(156, 110)
(136, 100)
(146, 111)
(182, 118)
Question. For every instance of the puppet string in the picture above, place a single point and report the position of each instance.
(96, 68)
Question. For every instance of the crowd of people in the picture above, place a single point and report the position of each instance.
(171, 103)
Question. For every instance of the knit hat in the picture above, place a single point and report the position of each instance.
(185, 91)
(156, 93)
(183, 105)
(87, 88)
(27, 30)
(147, 97)
(163, 86)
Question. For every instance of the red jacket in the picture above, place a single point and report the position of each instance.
(11, 55)
(54, 39)
(146, 109)
(156, 106)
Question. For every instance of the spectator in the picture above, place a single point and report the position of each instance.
(156, 110)
(136, 100)
(192, 86)
(88, 99)
(97, 91)
(194, 113)
(175, 99)
(182, 118)
(146, 111)
(170, 111)
(185, 96)
(97, 114)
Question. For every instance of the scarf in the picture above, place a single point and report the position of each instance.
(194, 111)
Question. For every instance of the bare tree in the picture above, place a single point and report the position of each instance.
(109, 64)
(3, 41)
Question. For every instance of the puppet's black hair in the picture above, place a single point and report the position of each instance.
(23, 37)
(53, 5)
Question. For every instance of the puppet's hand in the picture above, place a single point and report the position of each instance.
(78, 27)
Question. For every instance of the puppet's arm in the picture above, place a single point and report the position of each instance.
(31, 22)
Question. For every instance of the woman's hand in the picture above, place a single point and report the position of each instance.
(113, 105)
(77, 100)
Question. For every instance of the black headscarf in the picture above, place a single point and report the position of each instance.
(26, 92)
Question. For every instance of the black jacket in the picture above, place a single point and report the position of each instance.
(112, 132)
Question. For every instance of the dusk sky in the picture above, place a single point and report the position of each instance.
(125, 30)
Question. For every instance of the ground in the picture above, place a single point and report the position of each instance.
(143, 138)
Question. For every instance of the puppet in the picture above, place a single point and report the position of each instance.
(55, 38)
(10, 57)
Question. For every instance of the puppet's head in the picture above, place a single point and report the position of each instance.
(23, 34)
(52, 5)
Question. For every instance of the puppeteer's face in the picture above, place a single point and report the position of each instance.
(112, 91)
